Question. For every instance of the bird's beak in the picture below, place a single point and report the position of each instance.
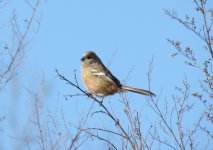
(82, 59)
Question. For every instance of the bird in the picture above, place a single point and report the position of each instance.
(99, 81)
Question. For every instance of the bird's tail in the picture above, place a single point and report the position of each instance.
(136, 90)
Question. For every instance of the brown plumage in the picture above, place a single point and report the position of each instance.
(100, 81)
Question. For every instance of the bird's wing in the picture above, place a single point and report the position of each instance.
(103, 73)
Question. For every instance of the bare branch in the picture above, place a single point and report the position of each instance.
(102, 139)
(192, 26)
(7, 73)
(117, 123)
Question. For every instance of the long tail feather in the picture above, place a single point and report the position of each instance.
(139, 91)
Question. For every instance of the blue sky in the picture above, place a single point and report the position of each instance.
(128, 32)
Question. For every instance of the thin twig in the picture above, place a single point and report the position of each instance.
(102, 139)
(117, 123)
(104, 130)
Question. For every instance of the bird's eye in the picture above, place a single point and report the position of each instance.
(89, 57)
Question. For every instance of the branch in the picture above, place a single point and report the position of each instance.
(206, 30)
(104, 130)
(8, 73)
(102, 139)
(206, 37)
(173, 15)
(115, 120)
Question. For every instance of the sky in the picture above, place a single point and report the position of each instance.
(126, 35)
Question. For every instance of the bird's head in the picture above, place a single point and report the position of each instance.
(89, 57)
